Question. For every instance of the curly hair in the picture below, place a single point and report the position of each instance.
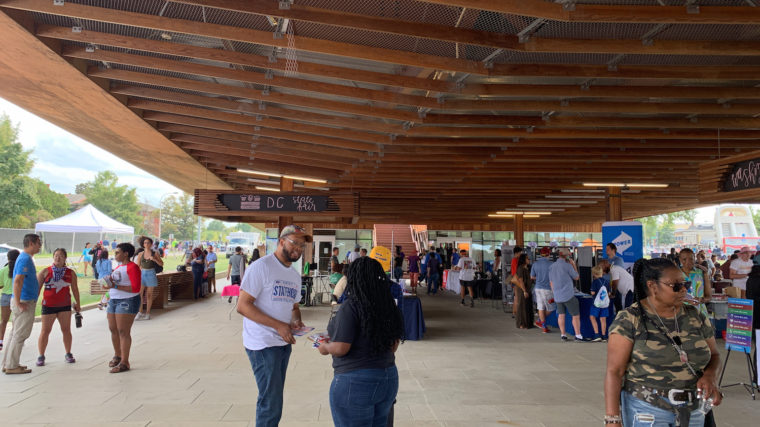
(370, 289)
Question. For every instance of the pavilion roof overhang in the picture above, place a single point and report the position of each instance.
(427, 110)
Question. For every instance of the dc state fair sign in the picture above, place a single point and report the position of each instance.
(274, 203)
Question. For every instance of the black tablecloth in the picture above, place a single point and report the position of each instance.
(414, 321)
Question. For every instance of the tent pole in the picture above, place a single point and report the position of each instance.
(73, 239)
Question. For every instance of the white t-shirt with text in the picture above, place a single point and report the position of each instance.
(467, 266)
(625, 280)
(276, 288)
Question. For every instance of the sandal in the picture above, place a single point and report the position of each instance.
(119, 368)
(114, 362)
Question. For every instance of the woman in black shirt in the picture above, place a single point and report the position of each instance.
(364, 336)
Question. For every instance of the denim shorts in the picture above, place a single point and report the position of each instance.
(637, 413)
(5, 300)
(149, 279)
(124, 306)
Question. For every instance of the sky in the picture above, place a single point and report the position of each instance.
(64, 160)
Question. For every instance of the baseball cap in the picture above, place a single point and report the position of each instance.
(296, 230)
(357, 247)
(745, 249)
(546, 251)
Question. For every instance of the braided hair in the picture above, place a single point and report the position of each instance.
(370, 289)
(645, 270)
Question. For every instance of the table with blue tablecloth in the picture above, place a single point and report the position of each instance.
(585, 301)
(414, 320)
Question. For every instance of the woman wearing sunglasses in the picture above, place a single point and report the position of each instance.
(661, 354)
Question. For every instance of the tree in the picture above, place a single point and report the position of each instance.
(53, 203)
(667, 234)
(755, 217)
(178, 218)
(215, 225)
(18, 192)
(117, 201)
(688, 215)
(247, 228)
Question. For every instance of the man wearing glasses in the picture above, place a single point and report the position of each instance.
(23, 303)
(269, 297)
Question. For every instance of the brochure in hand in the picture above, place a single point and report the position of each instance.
(301, 331)
(318, 338)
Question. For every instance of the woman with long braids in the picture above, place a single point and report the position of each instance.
(661, 354)
(364, 335)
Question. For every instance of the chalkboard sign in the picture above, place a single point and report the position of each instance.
(275, 203)
(743, 176)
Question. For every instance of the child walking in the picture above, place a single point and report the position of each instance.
(103, 266)
(597, 314)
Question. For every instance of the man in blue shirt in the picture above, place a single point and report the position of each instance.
(23, 302)
(211, 268)
(561, 277)
(612, 255)
(539, 272)
(432, 263)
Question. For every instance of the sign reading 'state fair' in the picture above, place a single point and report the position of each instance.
(739, 325)
(274, 203)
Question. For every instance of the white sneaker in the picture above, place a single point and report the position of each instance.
(146, 317)
(139, 316)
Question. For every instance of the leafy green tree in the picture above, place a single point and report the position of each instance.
(755, 216)
(215, 225)
(117, 201)
(18, 192)
(53, 203)
(688, 215)
(247, 228)
(178, 218)
(667, 234)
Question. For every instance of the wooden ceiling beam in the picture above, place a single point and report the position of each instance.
(736, 15)
(252, 94)
(645, 72)
(282, 168)
(203, 152)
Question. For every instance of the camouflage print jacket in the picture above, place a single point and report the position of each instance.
(654, 362)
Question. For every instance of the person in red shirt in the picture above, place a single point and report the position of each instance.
(59, 283)
(124, 285)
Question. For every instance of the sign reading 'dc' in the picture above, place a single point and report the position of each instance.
(274, 203)
(743, 176)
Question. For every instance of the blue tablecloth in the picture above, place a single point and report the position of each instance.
(414, 321)
(587, 330)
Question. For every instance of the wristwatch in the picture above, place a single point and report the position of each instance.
(613, 419)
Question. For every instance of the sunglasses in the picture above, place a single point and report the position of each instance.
(677, 286)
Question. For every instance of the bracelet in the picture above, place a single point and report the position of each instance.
(613, 419)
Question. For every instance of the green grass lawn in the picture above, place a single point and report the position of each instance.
(170, 264)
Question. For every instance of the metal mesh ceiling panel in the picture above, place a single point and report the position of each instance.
(405, 10)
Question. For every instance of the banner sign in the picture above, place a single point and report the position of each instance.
(739, 325)
(743, 176)
(628, 237)
(274, 202)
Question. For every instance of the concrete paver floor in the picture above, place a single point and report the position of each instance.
(474, 368)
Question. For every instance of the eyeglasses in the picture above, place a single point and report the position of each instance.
(298, 245)
(678, 285)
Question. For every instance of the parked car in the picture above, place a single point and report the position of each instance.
(4, 249)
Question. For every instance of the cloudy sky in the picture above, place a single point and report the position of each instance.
(64, 160)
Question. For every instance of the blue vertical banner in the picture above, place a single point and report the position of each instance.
(628, 237)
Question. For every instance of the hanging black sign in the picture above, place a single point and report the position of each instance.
(743, 176)
(275, 203)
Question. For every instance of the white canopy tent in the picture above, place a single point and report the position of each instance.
(85, 220)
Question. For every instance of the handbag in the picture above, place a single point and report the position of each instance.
(514, 280)
(602, 299)
(205, 274)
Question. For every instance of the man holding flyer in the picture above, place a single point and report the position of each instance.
(269, 297)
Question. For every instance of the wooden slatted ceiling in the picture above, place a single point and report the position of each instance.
(467, 136)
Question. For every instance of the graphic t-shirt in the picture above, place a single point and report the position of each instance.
(128, 274)
(25, 267)
(276, 289)
(654, 361)
(467, 272)
(57, 285)
(697, 290)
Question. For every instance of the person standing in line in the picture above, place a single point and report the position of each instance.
(148, 260)
(60, 284)
(354, 255)
(198, 267)
(211, 267)
(23, 303)
(561, 277)
(236, 267)
(414, 271)
(740, 269)
(512, 271)
(497, 263)
(466, 268)
(364, 335)
(124, 286)
(599, 314)
(433, 265)
(86, 257)
(269, 297)
(6, 283)
(524, 293)
(539, 273)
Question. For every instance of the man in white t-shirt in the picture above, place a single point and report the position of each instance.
(354, 255)
(269, 297)
(621, 281)
(466, 268)
(740, 269)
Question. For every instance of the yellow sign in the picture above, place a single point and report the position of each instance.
(383, 255)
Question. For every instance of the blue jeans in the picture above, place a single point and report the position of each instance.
(269, 367)
(398, 273)
(432, 280)
(637, 413)
(363, 397)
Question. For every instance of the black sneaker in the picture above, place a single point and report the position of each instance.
(564, 338)
(579, 339)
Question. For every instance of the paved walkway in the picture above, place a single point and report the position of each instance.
(474, 368)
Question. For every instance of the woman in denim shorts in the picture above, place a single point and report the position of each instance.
(124, 286)
(149, 260)
(6, 281)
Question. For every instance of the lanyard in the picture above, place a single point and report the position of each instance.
(675, 343)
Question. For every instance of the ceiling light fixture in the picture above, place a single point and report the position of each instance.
(301, 178)
(262, 188)
(548, 206)
(618, 184)
(253, 172)
(499, 216)
(531, 216)
(580, 196)
(578, 190)
(261, 181)
(522, 213)
(562, 202)
(277, 175)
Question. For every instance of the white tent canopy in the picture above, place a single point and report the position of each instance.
(85, 220)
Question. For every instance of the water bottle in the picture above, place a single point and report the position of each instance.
(705, 405)
(78, 319)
